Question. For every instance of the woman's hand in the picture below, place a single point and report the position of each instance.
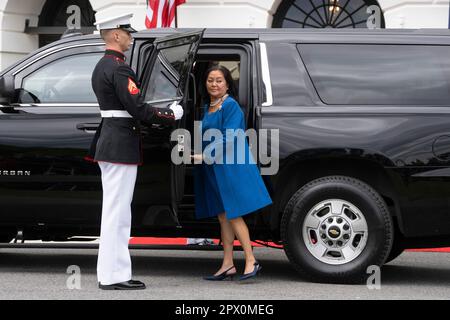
(198, 158)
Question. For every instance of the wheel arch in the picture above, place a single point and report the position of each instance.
(298, 172)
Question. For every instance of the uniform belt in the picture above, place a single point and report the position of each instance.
(115, 114)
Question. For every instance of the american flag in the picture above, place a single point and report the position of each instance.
(161, 13)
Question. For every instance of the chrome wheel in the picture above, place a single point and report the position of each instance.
(335, 231)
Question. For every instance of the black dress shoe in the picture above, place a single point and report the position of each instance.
(127, 285)
(246, 276)
(224, 275)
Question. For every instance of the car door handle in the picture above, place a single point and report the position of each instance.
(88, 127)
(158, 126)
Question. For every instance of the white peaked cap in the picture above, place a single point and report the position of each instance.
(117, 22)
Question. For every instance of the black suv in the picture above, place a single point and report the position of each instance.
(363, 149)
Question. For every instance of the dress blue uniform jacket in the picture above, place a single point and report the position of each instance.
(118, 140)
(234, 188)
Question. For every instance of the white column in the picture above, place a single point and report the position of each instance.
(14, 43)
(415, 14)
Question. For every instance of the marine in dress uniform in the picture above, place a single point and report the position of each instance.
(116, 148)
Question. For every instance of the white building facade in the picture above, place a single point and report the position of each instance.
(25, 25)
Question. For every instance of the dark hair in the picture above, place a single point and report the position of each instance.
(228, 79)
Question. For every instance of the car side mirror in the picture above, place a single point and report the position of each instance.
(7, 90)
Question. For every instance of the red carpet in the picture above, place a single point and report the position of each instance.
(181, 241)
(431, 250)
(147, 240)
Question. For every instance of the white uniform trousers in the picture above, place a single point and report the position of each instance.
(114, 262)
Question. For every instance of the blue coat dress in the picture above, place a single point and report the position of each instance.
(234, 188)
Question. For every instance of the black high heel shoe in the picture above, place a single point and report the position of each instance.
(252, 274)
(221, 276)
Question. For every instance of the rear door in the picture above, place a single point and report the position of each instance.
(160, 184)
(392, 102)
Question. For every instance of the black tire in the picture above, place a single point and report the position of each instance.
(5, 238)
(397, 247)
(6, 234)
(394, 254)
(379, 224)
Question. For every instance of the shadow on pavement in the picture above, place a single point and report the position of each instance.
(189, 264)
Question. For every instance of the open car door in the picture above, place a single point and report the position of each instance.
(164, 81)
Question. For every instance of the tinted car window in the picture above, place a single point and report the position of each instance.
(288, 75)
(166, 73)
(379, 74)
(163, 83)
(175, 56)
(66, 80)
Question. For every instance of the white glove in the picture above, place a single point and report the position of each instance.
(177, 110)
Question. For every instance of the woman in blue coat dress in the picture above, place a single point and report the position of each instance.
(227, 187)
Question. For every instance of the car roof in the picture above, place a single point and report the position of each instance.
(345, 35)
(358, 35)
(290, 35)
